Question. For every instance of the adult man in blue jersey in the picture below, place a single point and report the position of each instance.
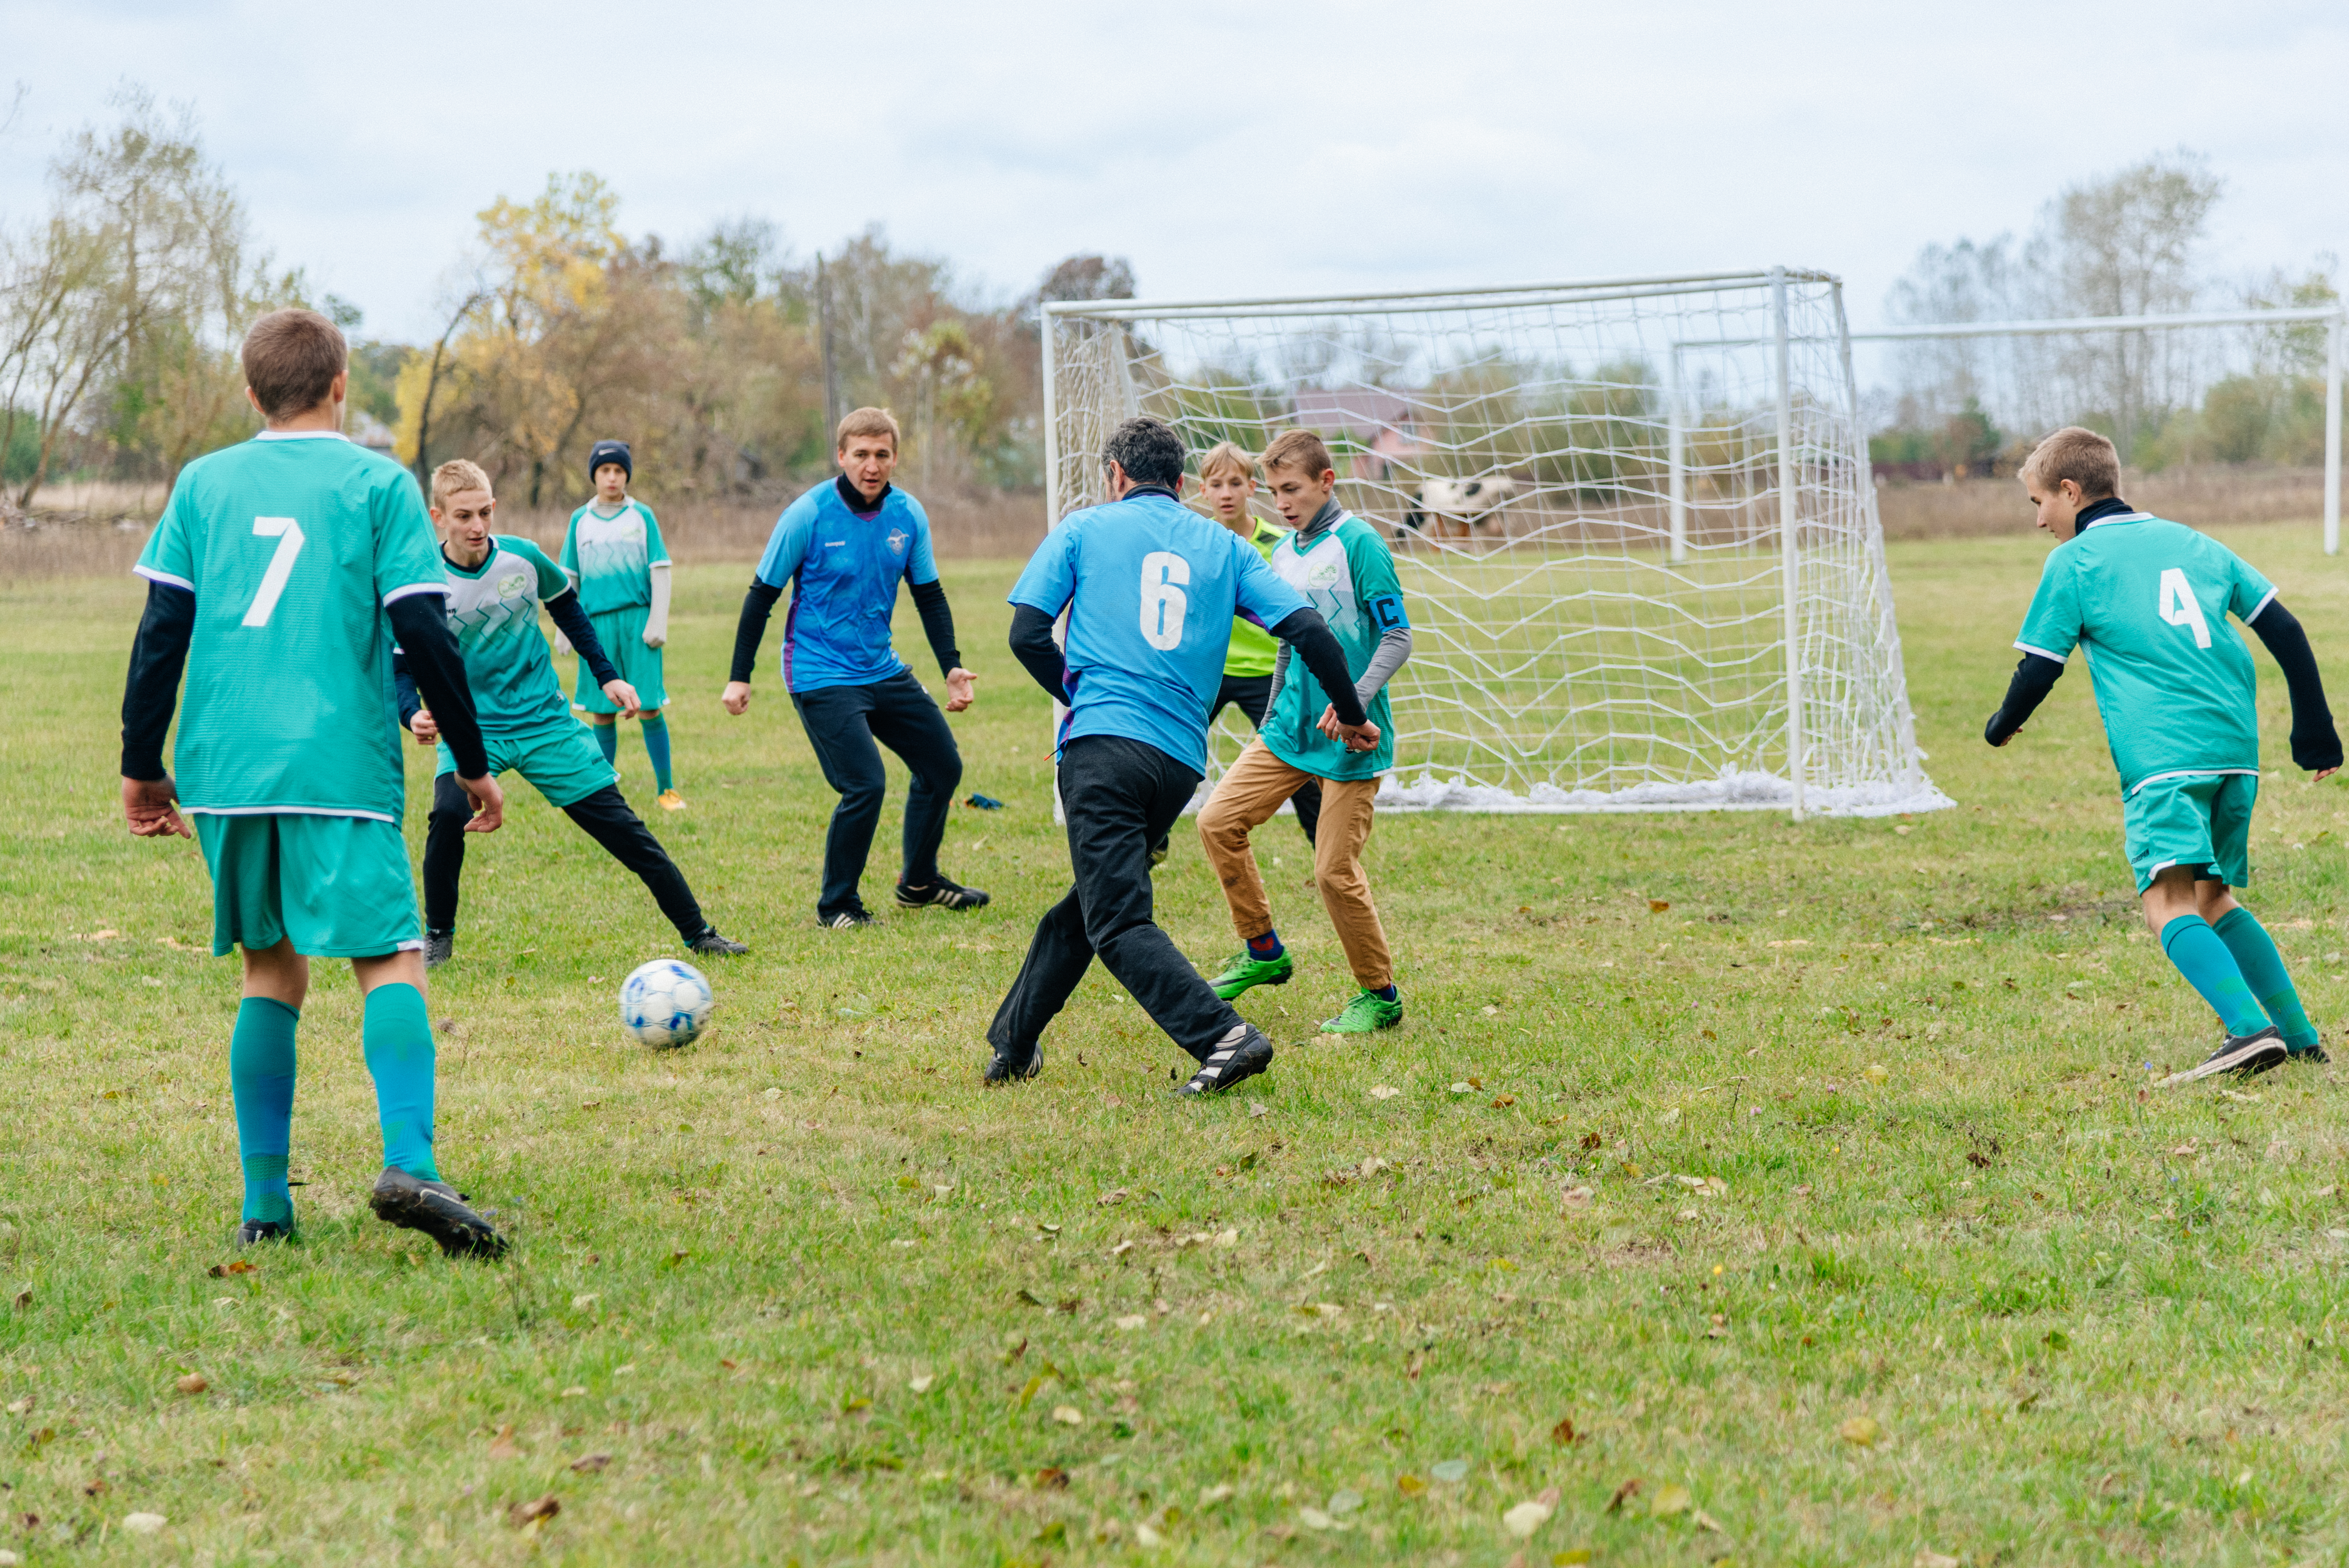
(1150, 587)
(844, 548)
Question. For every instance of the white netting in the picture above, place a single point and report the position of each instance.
(1583, 488)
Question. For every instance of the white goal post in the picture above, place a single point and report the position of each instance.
(1633, 518)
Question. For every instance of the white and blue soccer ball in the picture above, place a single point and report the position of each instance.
(666, 1004)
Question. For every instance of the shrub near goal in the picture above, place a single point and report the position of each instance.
(1634, 520)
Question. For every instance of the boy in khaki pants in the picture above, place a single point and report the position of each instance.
(1344, 569)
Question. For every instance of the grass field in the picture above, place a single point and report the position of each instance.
(1804, 1176)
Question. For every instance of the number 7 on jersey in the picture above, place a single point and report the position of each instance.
(288, 536)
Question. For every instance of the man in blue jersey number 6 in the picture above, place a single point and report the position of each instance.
(1150, 587)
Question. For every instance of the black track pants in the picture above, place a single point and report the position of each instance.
(844, 725)
(1120, 797)
(603, 816)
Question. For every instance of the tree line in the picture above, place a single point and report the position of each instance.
(724, 361)
(2130, 243)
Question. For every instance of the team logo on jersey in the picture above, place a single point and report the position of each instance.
(512, 584)
(897, 537)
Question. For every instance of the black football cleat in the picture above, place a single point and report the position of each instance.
(2245, 1055)
(712, 944)
(1010, 1066)
(250, 1233)
(846, 920)
(940, 895)
(437, 1209)
(439, 946)
(2312, 1055)
(1242, 1054)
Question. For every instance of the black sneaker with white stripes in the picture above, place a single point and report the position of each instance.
(846, 920)
(940, 895)
(2244, 1055)
(1242, 1054)
(1010, 1066)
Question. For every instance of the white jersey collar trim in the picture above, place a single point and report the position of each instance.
(2121, 517)
(326, 435)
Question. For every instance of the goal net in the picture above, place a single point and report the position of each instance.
(1633, 521)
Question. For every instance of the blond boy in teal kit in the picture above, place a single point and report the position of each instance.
(280, 575)
(614, 556)
(2145, 602)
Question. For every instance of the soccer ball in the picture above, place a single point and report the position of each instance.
(664, 1004)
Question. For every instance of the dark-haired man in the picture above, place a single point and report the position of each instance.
(282, 573)
(1150, 587)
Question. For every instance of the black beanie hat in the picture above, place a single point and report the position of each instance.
(603, 452)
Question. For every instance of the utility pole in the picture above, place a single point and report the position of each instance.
(831, 359)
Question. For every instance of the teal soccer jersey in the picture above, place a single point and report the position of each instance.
(293, 543)
(611, 559)
(1347, 574)
(2145, 602)
(493, 611)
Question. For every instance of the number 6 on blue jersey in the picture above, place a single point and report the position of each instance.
(1162, 602)
(288, 536)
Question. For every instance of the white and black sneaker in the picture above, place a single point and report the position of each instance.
(439, 946)
(1010, 1066)
(940, 895)
(846, 920)
(2243, 1054)
(437, 1209)
(710, 943)
(1242, 1054)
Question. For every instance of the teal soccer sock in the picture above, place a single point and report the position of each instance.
(607, 740)
(657, 748)
(2211, 968)
(2263, 971)
(398, 1036)
(261, 1080)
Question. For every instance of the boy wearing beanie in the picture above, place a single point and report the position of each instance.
(613, 555)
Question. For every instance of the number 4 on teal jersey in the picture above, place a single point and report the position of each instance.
(288, 536)
(2180, 608)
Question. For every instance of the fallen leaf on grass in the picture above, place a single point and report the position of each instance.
(1491, 1011)
(1451, 1471)
(1052, 1478)
(1876, 1073)
(1314, 1519)
(1211, 1495)
(1146, 1538)
(1564, 1432)
(1068, 1415)
(20, 1407)
(1658, 905)
(1383, 1091)
(1132, 1321)
(1669, 1501)
(95, 1487)
(193, 1383)
(503, 1445)
(1259, 1108)
(144, 1524)
(1410, 1485)
(534, 1511)
(223, 1271)
(1579, 1197)
(1028, 1297)
(1928, 1558)
(1861, 1431)
(1629, 1489)
(1704, 1520)
(1570, 1559)
(589, 1464)
(1502, 1102)
(1522, 1520)
(921, 1385)
(1461, 1088)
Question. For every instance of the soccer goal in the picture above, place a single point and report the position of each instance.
(1633, 518)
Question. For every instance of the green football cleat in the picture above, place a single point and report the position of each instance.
(1366, 1013)
(1241, 972)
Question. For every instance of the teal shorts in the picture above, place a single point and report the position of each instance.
(561, 764)
(622, 632)
(2199, 820)
(339, 886)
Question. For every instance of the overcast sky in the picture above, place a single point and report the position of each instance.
(1225, 148)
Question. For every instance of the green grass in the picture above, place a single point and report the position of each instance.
(818, 1297)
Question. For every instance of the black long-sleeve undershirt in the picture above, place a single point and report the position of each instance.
(570, 619)
(419, 626)
(1304, 631)
(2315, 742)
(2035, 677)
(158, 655)
(758, 606)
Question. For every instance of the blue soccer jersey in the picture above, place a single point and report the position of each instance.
(1151, 588)
(843, 570)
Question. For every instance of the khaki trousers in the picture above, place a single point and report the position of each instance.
(1249, 794)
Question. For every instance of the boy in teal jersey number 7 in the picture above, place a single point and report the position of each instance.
(281, 573)
(2145, 602)
(616, 557)
(496, 585)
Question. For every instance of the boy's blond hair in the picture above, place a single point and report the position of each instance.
(457, 475)
(2086, 458)
(868, 422)
(1298, 450)
(1229, 455)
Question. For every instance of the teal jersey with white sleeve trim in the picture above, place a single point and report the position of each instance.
(493, 611)
(292, 542)
(2145, 601)
(1347, 572)
(610, 559)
